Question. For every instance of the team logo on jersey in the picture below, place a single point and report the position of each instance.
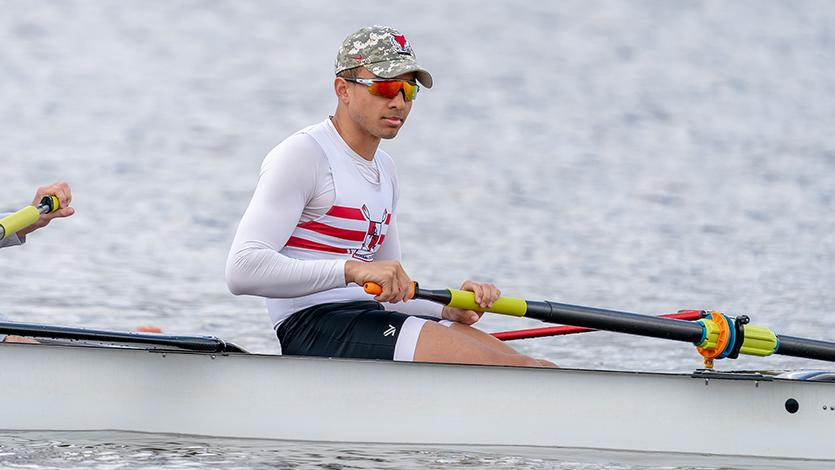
(400, 43)
(373, 236)
(390, 331)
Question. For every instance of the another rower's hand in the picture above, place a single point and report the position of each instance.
(62, 191)
(486, 295)
(390, 275)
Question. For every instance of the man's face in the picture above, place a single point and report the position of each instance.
(379, 116)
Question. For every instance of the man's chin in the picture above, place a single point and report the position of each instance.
(389, 134)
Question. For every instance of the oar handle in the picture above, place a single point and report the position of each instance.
(465, 300)
(27, 216)
(376, 289)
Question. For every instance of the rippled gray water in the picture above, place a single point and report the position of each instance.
(645, 156)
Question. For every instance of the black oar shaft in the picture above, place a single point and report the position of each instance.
(613, 320)
(193, 343)
(589, 317)
(806, 348)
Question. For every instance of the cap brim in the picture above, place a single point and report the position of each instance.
(394, 68)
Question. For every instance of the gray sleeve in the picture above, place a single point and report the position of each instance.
(11, 240)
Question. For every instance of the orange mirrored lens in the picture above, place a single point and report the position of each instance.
(390, 88)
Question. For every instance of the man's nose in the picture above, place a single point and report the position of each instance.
(399, 100)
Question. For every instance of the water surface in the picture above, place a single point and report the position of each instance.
(645, 156)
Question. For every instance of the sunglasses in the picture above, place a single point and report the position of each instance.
(388, 88)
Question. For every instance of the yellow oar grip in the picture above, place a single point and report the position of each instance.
(507, 305)
(466, 300)
(21, 219)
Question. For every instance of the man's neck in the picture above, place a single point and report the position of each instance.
(363, 143)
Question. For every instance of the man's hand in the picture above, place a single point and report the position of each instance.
(485, 296)
(389, 275)
(60, 190)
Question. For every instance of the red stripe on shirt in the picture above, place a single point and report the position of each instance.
(297, 242)
(346, 213)
(324, 229)
(388, 219)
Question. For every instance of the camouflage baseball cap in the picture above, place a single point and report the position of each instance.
(383, 51)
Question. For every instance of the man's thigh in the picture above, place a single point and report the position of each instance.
(352, 330)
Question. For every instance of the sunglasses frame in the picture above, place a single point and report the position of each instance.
(368, 82)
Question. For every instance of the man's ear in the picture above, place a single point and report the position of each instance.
(340, 87)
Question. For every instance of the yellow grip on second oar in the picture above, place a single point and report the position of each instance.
(21, 219)
(507, 305)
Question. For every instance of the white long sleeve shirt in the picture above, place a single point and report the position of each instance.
(296, 186)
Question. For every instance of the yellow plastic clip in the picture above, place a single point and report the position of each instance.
(759, 341)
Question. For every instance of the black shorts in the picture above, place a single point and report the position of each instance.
(362, 329)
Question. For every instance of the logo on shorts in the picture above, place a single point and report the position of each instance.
(391, 331)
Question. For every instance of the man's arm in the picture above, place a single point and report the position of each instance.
(288, 180)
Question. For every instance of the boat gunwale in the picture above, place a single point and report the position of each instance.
(765, 375)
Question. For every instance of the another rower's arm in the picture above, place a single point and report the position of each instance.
(62, 191)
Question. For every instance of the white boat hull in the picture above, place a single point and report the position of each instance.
(292, 398)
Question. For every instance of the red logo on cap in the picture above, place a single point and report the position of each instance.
(400, 43)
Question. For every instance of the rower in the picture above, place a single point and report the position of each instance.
(322, 221)
(50, 202)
